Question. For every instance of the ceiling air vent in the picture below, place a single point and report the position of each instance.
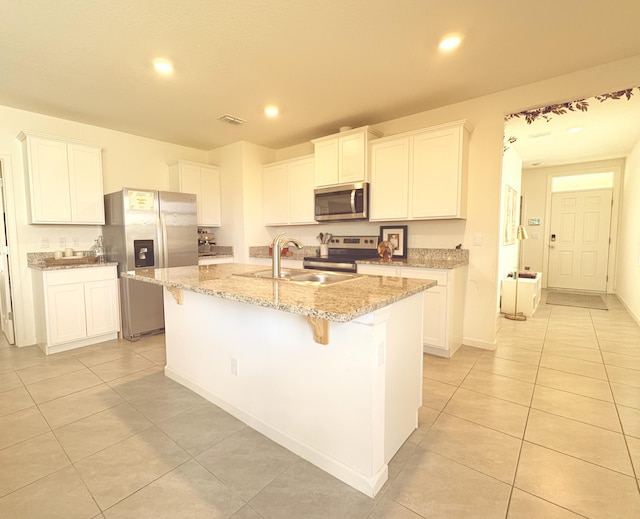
(231, 119)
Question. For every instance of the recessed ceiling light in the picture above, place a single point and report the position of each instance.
(163, 66)
(575, 130)
(271, 111)
(450, 42)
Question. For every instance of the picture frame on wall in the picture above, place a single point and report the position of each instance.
(398, 236)
(510, 215)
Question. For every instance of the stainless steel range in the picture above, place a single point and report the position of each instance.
(343, 253)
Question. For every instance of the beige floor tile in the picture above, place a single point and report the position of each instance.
(246, 462)
(498, 386)
(21, 425)
(524, 343)
(118, 471)
(94, 356)
(630, 419)
(515, 353)
(577, 366)
(622, 360)
(61, 495)
(68, 409)
(436, 394)
(200, 427)
(9, 381)
(574, 339)
(426, 417)
(304, 490)
(189, 490)
(577, 485)
(439, 488)
(491, 412)
(508, 368)
(101, 430)
(626, 395)
(620, 347)
(400, 458)
(62, 385)
(574, 352)
(578, 384)
(389, 509)
(167, 403)
(527, 506)
(486, 450)
(624, 375)
(587, 442)
(615, 336)
(634, 452)
(52, 367)
(246, 512)
(144, 383)
(448, 373)
(13, 358)
(157, 355)
(121, 367)
(577, 407)
(30, 460)
(15, 400)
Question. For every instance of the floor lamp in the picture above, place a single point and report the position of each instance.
(515, 316)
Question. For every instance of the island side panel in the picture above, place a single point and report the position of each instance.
(326, 403)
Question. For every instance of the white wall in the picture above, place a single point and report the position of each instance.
(128, 160)
(628, 276)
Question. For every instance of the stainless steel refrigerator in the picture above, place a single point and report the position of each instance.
(148, 229)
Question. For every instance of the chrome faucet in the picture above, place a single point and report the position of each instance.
(279, 242)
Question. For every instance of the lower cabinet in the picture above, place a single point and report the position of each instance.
(75, 307)
(443, 304)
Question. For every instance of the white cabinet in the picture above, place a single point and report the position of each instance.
(75, 307)
(443, 304)
(420, 175)
(529, 293)
(343, 158)
(64, 180)
(203, 181)
(287, 192)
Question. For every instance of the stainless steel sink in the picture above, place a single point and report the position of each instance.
(306, 277)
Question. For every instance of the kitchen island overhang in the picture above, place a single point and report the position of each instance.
(346, 407)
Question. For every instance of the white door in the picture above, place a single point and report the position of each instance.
(6, 308)
(579, 239)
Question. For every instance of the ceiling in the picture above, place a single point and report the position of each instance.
(326, 64)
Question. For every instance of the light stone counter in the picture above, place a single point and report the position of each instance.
(339, 302)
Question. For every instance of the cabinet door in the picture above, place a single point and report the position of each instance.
(352, 158)
(326, 162)
(376, 270)
(436, 174)
(275, 195)
(389, 199)
(101, 307)
(189, 182)
(48, 181)
(85, 184)
(209, 201)
(434, 330)
(301, 184)
(65, 309)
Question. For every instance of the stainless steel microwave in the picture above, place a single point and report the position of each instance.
(343, 202)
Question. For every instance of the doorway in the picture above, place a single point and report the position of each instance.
(579, 237)
(6, 302)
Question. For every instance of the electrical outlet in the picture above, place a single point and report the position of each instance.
(75, 241)
(62, 243)
(45, 243)
(235, 366)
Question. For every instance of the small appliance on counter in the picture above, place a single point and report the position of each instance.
(206, 240)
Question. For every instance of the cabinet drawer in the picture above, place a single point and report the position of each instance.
(79, 275)
(440, 276)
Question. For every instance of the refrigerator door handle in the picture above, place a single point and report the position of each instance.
(165, 252)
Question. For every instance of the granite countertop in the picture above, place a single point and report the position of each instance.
(340, 302)
(425, 263)
(36, 261)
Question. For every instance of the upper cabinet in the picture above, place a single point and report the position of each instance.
(203, 181)
(343, 158)
(287, 192)
(420, 175)
(64, 180)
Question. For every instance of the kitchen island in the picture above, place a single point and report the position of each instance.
(332, 373)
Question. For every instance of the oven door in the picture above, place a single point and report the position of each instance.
(331, 266)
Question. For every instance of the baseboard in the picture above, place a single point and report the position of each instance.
(633, 315)
(478, 343)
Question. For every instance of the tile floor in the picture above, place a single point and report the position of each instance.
(546, 426)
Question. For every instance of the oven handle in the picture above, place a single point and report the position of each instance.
(353, 201)
(337, 267)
